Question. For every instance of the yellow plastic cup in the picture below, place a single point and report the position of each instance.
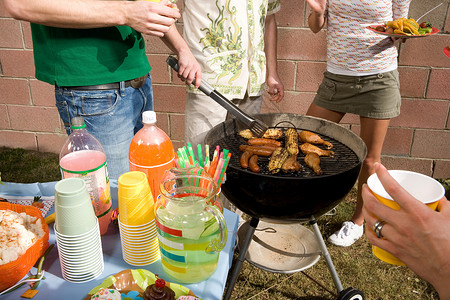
(133, 184)
(136, 205)
(422, 187)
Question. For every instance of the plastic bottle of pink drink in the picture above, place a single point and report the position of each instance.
(83, 156)
(151, 151)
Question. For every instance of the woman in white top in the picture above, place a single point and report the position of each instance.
(361, 78)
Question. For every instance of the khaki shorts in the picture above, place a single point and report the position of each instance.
(373, 96)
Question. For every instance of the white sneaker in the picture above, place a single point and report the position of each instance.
(347, 235)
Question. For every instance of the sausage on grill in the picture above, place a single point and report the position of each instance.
(258, 150)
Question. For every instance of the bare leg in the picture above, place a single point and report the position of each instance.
(373, 133)
(320, 112)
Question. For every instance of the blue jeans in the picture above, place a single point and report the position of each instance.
(112, 116)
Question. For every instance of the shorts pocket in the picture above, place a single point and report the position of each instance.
(327, 89)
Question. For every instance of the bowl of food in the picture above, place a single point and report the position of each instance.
(23, 239)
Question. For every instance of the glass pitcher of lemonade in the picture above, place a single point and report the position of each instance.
(191, 229)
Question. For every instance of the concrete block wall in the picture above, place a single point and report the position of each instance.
(417, 140)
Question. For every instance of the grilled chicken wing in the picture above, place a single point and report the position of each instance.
(308, 148)
(312, 160)
(291, 164)
(310, 137)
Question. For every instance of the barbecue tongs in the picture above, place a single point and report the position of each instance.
(257, 127)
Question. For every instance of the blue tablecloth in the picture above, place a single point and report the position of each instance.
(55, 287)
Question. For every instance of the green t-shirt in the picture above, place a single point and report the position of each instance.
(77, 57)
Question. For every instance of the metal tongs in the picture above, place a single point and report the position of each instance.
(257, 127)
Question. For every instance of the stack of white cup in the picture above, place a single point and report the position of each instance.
(77, 232)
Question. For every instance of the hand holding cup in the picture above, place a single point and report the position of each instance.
(412, 232)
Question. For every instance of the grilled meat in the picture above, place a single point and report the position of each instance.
(291, 164)
(308, 148)
(312, 160)
(271, 133)
(312, 138)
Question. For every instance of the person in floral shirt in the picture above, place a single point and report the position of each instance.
(235, 43)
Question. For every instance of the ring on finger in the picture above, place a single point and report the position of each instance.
(377, 226)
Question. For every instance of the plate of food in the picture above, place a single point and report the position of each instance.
(139, 284)
(404, 28)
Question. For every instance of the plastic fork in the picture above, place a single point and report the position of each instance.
(257, 127)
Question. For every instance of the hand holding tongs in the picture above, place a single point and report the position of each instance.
(257, 127)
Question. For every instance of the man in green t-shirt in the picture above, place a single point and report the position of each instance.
(94, 53)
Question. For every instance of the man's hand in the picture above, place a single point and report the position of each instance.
(275, 88)
(189, 68)
(317, 6)
(151, 17)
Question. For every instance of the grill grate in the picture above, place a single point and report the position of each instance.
(344, 158)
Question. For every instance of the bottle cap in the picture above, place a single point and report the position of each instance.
(77, 123)
(149, 116)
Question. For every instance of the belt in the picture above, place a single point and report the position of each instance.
(136, 83)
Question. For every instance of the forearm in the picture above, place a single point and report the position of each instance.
(174, 41)
(270, 44)
(69, 14)
(316, 21)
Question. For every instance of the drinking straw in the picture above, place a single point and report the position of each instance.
(218, 169)
(200, 155)
(207, 154)
(222, 173)
(183, 153)
(176, 160)
(225, 153)
(191, 154)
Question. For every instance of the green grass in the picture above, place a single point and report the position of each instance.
(355, 265)
(25, 166)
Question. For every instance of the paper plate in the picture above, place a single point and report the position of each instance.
(404, 36)
(136, 280)
(447, 51)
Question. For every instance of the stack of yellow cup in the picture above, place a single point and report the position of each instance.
(137, 220)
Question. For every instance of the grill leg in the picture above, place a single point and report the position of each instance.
(241, 258)
(326, 254)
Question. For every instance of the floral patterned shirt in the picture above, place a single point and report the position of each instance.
(352, 49)
(227, 39)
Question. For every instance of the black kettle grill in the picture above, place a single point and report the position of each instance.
(290, 197)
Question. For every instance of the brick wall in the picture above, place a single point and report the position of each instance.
(417, 140)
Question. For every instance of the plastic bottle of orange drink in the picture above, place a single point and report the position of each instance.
(151, 151)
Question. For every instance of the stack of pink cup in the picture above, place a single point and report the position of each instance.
(137, 220)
